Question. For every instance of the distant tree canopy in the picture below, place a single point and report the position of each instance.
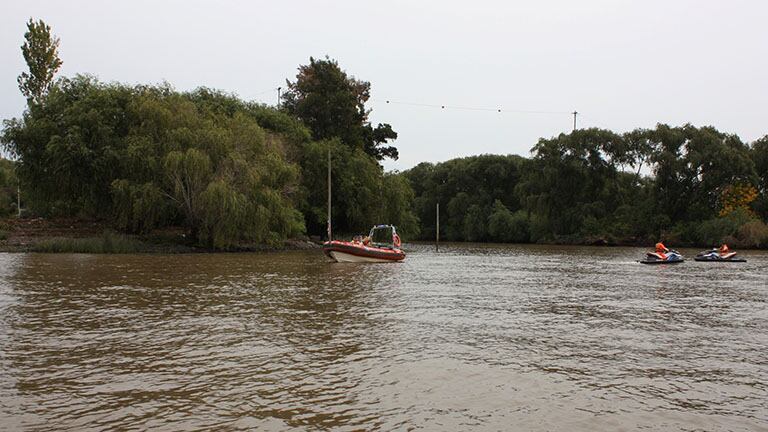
(332, 105)
(40, 50)
(467, 190)
(8, 185)
(705, 187)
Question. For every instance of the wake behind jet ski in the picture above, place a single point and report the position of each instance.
(662, 255)
(722, 254)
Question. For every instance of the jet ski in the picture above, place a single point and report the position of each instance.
(715, 256)
(672, 257)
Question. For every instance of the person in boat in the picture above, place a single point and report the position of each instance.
(395, 240)
(723, 249)
(661, 250)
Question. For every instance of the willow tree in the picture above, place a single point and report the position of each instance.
(146, 157)
(41, 52)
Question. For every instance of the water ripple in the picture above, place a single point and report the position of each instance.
(476, 337)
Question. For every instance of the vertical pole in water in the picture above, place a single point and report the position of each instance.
(437, 230)
(330, 237)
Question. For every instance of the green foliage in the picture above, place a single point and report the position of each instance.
(572, 180)
(475, 227)
(231, 172)
(146, 157)
(363, 195)
(8, 185)
(467, 190)
(753, 234)
(332, 105)
(138, 208)
(759, 155)
(739, 228)
(396, 205)
(590, 185)
(40, 50)
(107, 243)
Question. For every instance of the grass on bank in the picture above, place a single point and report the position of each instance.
(107, 243)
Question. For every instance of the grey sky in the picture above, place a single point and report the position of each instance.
(623, 64)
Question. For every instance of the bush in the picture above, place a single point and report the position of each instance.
(753, 234)
(475, 224)
(505, 226)
(539, 229)
(714, 231)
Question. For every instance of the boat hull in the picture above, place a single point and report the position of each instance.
(358, 253)
(343, 257)
(733, 260)
(652, 262)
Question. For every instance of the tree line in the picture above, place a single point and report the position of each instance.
(682, 184)
(145, 157)
(231, 172)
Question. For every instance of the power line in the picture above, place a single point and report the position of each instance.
(468, 108)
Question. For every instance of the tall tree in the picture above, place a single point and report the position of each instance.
(759, 154)
(41, 52)
(332, 105)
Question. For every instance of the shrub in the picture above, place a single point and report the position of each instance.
(715, 231)
(508, 227)
(753, 234)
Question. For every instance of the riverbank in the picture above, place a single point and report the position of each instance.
(75, 235)
(84, 236)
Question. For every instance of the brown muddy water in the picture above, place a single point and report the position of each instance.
(473, 338)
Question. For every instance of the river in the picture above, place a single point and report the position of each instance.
(475, 337)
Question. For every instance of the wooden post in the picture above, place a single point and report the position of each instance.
(437, 230)
(330, 236)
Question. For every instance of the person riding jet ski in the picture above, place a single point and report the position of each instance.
(723, 253)
(661, 250)
(662, 255)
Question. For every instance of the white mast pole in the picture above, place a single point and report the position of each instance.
(437, 230)
(330, 237)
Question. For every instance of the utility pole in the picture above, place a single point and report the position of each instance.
(575, 113)
(437, 230)
(330, 237)
(278, 97)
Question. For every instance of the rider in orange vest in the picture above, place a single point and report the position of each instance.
(724, 249)
(661, 250)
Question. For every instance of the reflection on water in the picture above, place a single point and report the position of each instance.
(483, 337)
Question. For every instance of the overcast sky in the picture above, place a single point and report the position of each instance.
(622, 64)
